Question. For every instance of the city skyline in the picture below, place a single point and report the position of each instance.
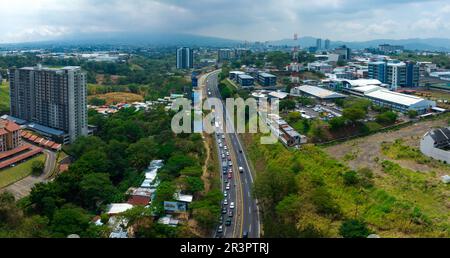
(249, 20)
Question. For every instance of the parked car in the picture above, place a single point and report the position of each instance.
(224, 210)
(225, 202)
(221, 220)
(232, 205)
(225, 194)
(230, 214)
(220, 229)
(227, 187)
(229, 176)
(230, 163)
(228, 222)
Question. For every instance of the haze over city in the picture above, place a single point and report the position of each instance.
(347, 20)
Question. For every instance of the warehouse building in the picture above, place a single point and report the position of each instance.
(267, 79)
(316, 92)
(399, 101)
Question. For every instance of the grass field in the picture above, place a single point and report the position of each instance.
(14, 174)
(118, 97)
(4, 97)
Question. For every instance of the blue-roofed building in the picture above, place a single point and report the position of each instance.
(267, 79)
(245, 80)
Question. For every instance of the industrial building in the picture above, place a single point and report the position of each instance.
(267, 79)
(316, 92)
(436, 144)
(51, 100)
(394, 100)
(245, 80)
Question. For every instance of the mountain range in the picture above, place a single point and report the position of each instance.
(174, 39)
(427, 44)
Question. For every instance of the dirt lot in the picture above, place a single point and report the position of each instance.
(364, 152)
(119, 97)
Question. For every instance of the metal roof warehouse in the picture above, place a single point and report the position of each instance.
(316, 92)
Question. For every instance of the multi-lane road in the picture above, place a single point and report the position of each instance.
(245, 220)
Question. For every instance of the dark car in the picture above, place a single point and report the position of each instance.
(240, 151)
(224, 210)
(245, 234)
(221, 220)
(230, 214)
(228, 222)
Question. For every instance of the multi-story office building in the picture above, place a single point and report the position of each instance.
(224, 55)
(319, 44)
(267, 79)
(245, 80)
(377, 70)
(185, 58)
(344, 53)
(327, 44)
(51, 100)
(412, 74)
(396, 74)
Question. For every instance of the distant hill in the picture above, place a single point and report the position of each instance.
(133, 38)
(430, 44)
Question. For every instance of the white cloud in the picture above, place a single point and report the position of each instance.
(28, 20)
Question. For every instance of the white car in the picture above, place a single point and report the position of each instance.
(228, 153)
(225, 202)
(228, 186)
(225, 147)
(225, 194)
(232, 205)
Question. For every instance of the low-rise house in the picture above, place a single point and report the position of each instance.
(436, 144)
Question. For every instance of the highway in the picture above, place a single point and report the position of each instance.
(246, 214)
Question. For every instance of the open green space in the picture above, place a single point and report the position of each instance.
(13, 174)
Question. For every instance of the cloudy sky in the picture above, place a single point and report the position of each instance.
(350, 20)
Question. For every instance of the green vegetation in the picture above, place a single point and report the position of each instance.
(354, 229)
(107, 164)
(399, 151)
(387, 118)
(13, 174)
(4, 97)
(306, 193)
(37, 167)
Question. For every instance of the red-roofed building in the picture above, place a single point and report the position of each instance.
(9, 135)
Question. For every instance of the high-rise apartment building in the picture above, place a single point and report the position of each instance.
(185, 58)
(224, 55)
(51, 100)
(327, 44)
(319, 44)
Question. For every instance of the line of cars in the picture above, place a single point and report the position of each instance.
(227, 169)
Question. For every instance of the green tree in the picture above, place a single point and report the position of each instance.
(287, 104)
(96, 189)
(194, 185)
(412, 113)
(350, 178)
(142, 152)
(37, 167)
(69, 220)
(354, 114)
(337, 123)
(387, 118)
(353, 228)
